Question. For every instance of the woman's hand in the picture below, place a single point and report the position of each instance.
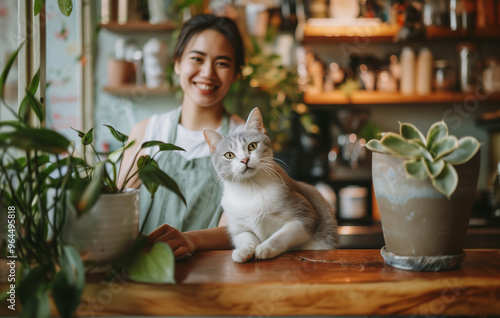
(180, 243)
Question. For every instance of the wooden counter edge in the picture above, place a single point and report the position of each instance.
(464, 296)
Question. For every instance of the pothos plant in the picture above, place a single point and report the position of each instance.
(40, 175)
(432, 156)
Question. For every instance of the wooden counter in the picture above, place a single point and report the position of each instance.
(339, 282)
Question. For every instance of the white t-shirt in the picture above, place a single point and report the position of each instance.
(192, 141)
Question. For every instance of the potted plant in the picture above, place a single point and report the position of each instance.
(424, 187)
(110, 209)
(42, 183)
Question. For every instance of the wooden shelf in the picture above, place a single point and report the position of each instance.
(137, 90)
(381, 32)
(138, 27)
(318, 32)
(434, 33)
(379, 98)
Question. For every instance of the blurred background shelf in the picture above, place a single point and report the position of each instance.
(325, 32)
(138, 27)
(367, 98)
(321, 32)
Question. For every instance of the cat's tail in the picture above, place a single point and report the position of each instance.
(326, 232)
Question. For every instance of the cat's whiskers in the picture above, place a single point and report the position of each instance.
(218, 181)
(269, 169)
(286, 167)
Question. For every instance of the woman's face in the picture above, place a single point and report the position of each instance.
(206, 69)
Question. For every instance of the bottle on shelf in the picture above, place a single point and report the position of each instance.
(424, 72)
(468, 66)
(407, 84)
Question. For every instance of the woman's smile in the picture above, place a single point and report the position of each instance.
(206, 88)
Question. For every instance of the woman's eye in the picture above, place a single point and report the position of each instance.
(229, 155)
(252, 146)
(196, 59)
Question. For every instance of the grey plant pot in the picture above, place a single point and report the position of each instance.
(423, 230)
(108, 230)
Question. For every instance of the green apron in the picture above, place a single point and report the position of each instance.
(197, 181)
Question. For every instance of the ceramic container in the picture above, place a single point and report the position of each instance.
(108, 230)
(423, 230)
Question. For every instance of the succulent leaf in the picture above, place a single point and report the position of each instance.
(467, 148)
(443, 146)
(411, 132)
(415, 169)
(398, 146)
(437, 131)
(433, 168)
(375, 145)
(446, 182)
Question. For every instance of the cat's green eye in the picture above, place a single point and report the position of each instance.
(229, 155)
(252, 146)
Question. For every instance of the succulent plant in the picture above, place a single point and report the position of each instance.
(432, 156)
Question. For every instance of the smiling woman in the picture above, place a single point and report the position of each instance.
(209, 56)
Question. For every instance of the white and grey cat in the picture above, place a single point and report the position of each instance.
(268, 213)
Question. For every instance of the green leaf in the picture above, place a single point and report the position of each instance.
(68, 282)
(163, 145)
(376, 146)
(37, 139)
(415, 169)
(117, 154)
(92, 191)
(446, 182)
(35, 105)
(467, 148)
(118, 135)
(437, 131)
(66, 6)
(88, 138)
(410, 132)
(33, 292)
(144, 160)
(6, 69)
(11, 123)
(443, 146)
(155, 266)
(38, 6)
(38, 306)
(152, 175)
(23, 107)
(398, 146)
(433, 168)
(81, 134)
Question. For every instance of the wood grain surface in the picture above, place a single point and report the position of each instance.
(337, 282)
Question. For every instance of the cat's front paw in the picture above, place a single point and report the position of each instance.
(265, 251)
(243, 254)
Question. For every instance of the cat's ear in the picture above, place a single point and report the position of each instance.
(213, 138)
(254, 121)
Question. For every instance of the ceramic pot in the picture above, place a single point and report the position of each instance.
(108, 230)
(423, 230)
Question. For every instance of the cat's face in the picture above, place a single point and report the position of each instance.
(241, 155)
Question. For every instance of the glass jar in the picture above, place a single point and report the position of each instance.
(463, 16)
(491, 75)
(468, 66)
(445, 76)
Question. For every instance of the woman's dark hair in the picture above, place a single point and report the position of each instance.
(223, 25)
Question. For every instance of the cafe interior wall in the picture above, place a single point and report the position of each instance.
(123, 112)
(460, 117)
